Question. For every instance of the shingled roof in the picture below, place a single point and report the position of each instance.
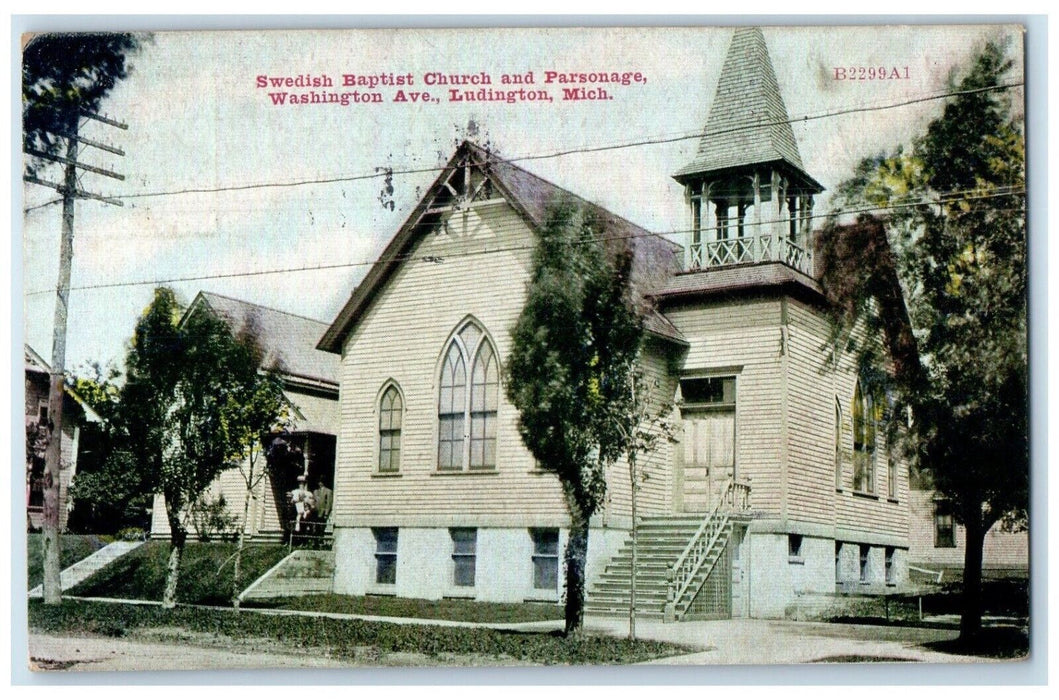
(748, 122)
(655, 259)
(288, 340)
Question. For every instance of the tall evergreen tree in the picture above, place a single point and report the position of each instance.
(574, 344)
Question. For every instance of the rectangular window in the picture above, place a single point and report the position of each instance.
(708, 391)
(890, 565)
(545, 559)
(464, 546)
(865, 550)
(838, 562)
(794, 548)
(944, 530)
(385, 554)
(891, 476)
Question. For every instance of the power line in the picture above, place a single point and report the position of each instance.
(944, 199)
(389, 172)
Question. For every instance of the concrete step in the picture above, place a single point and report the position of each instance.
(302, 572)
(79, 571)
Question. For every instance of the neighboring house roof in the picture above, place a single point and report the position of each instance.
(654, 257)
(288, 340)
(748, 122)
(37, 365)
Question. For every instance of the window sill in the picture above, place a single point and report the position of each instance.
(543, 598)
(388, 590)
(538, 472)
(466, 472)
(891, 500)
(468, 593)
(865, 494)
(386, 475)
(795, 560)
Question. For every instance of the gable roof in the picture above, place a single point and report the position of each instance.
(38, 365)
(655, 259)
(34, 362)
(288, 340)
(748, 122)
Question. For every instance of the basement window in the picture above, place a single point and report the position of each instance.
(794, 549)
(385, 555)
(464, 553)
(545, 559)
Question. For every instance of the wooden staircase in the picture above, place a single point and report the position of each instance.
(660, 541)
(675, 558)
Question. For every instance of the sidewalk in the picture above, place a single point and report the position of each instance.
(750, 642)
(734, 642)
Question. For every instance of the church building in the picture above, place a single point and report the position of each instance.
(780, 492)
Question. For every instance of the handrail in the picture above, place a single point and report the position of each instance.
(735, 497)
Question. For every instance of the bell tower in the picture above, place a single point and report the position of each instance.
(751, 200)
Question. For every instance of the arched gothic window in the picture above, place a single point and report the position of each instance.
(391, 409)
(838, 445)
(467, 402)
(865, 427)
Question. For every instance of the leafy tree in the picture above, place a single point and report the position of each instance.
(957, 229)
(254, 410)
(105, 500)
(64, 75)
(568, 373)
(183, 410)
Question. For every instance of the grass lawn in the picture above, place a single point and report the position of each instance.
(348, 639)
(73, 548)
(205, 572)
(1003, 597)
(466, 610)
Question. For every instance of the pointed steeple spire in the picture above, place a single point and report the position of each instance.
(748, 123)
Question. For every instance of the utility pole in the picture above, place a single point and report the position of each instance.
(53, 454)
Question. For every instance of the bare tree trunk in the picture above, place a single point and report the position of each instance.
(576, 554)
(239, 550)
(632, 575)
(971, 608)
(177, 539)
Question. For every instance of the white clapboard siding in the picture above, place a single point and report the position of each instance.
(814, 384)
(400, 338)
(744, 333)
(1000, 550)
(655, 495)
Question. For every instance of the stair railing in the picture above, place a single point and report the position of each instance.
(734, 498)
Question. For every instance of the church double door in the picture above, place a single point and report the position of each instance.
(707, 459)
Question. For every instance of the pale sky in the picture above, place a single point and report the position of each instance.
(196, 120)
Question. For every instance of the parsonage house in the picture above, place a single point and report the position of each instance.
(76, 415)
(781, 491)
(310, 385)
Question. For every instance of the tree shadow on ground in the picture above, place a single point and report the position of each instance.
(993, 643)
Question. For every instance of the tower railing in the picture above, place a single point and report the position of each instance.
(741, 250)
